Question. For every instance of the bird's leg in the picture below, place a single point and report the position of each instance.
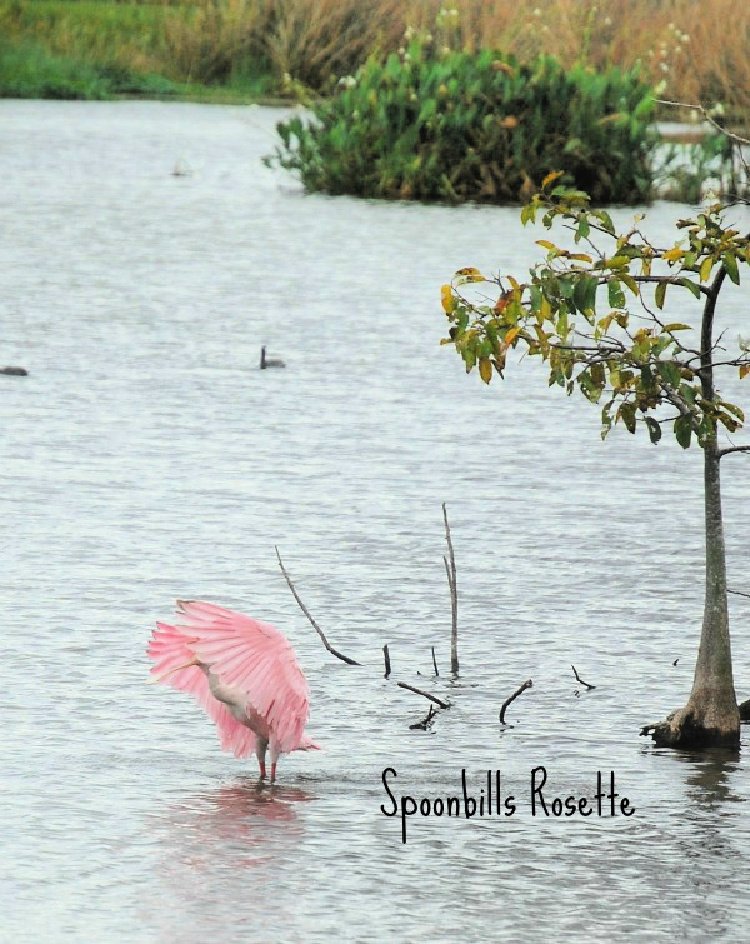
(274, 757)
(261, 751)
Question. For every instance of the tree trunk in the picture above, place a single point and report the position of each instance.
(711, 717)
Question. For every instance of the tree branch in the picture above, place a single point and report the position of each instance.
(318, 630)
(712, 121)
(669, 280)
(725, 452)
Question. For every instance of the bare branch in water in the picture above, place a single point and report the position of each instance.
(318, 630)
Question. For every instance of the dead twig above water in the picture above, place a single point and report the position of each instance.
(425, 723)
(527, 684)
(418, 691)
(387, 657)
(450, 570)
(579, 679)
(318, 630)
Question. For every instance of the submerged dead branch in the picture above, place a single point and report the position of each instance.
(579, 679)
(739, 593)
(450, 570)
(418, 691)
(426, 722)
(522, 688)
(434, 661)
(387, 657)
(318, 630)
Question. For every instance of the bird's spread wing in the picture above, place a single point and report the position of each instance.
(254, 657)
(170, 648)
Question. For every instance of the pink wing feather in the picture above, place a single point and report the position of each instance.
(245, 654)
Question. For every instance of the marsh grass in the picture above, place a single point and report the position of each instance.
(692, 50)
(29, 70)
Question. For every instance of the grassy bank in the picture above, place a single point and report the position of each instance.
(240, 49)
(98, 49)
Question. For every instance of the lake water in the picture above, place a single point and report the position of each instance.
(146, 458)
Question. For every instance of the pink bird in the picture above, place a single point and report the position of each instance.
(245, 675)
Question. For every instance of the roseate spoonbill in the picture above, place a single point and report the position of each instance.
(266, 362)
(243, 672)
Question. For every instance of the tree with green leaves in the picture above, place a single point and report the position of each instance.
(624, 355)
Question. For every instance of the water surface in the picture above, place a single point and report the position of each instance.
(145, 458)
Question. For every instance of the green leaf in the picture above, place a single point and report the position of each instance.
(660, 294)
(535, 294)
(584, 293)
(692, 286)
(627, 414)
(730, 264)
(654, 429)
(683, 429)
(630, 282)
(733, 409)
(616, 294)
(670, 372)
(606, 220)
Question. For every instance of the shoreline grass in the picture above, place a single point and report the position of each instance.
(214, 50)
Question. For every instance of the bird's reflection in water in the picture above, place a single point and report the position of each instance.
(251, 820)
(218, 851)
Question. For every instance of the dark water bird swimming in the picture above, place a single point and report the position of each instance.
(269, 361)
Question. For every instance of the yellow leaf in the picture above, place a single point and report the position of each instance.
(511, 335)
(470, 274)
(672, 255)
(448, 299)
(551, 178)
(510, 121)
(705, 270)
(579, 257)
(676, 326)
(616, 262)
(485, 369)
(513, 283)
(546, 244)
(545, 309)
(744, 371)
